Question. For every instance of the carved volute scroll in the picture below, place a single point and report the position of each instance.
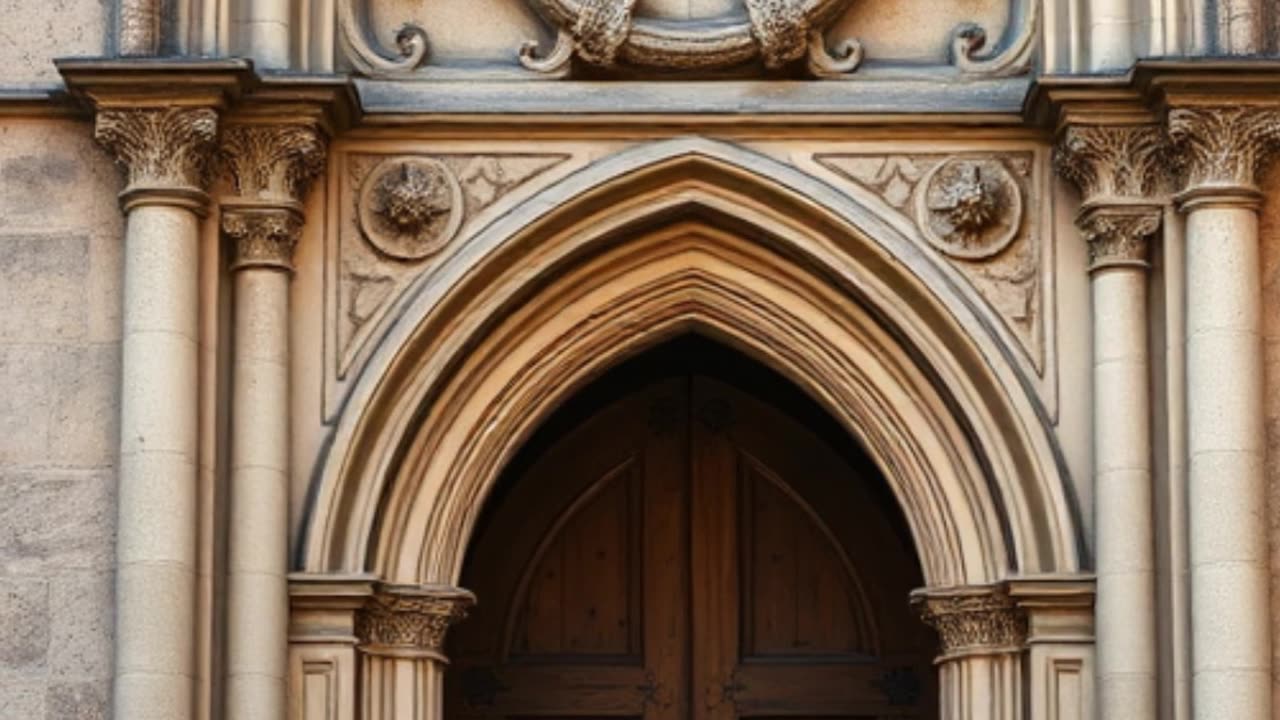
(271, 166)
(973, 620)
(1118, 169)
(163, 150)
(410, 620)
(1225, 147)
(777, 32)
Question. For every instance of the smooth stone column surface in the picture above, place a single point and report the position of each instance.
(1231, 651)
(271, 167)
(163, 151)
(1118, 169)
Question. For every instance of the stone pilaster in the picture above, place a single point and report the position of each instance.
(165, 153)
(402, 631)
(1119, 169)
(1224, 149)
(271, 166)
(983, 633)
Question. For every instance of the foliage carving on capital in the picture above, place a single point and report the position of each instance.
(160, 148)
(973, 621)
(411, 620)
(1111, 162)
(1224, 146)
(261, 237)
(272, 161)
(1119, 235)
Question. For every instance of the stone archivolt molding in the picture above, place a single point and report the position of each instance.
(973, 621)
(166, 150)
(411, 620)
(1224, 146)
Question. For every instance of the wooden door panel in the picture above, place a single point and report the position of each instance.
(581, 596)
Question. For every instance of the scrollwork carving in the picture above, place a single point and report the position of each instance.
(973, 621)
(1225, 146)
(778, 32)
(364, 53)
(161, 148)
(969, 40)
(411, 620)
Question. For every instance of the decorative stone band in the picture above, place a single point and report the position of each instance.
(411, 621)
(972, 620)
(165, 152)
(272, 162)
(261, 236)
(1224, 148)
(1118, 235)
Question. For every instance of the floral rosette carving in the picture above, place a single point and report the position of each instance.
(970, 208)
(410, 207)
(411, 621)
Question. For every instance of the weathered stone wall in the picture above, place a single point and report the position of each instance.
(60, 269)
(33, 33)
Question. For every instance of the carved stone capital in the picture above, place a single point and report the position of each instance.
(973, 620)
(1224, 148)
(165, 151)
(411, 621)
(1118, 235)
(1112, 162)
(272, 162)
(261, 236)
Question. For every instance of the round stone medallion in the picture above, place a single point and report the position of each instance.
(969, 208)
(410, 207)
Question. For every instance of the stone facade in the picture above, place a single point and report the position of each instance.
(268, 338)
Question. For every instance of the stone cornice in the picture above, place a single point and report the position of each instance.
(411, 620)
(976, 620)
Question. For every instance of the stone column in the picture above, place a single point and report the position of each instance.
(271, 166)
(402, 632)
(983, 634)
(1116, 168)
(1224, 148)
(164, 151)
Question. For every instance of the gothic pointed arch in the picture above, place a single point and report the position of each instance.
(692, 235)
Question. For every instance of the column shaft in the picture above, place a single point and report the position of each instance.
(257, 562)
(1124, 534)
(155, 548)
(1229, 582)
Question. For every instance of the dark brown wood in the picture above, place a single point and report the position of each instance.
(688, 552)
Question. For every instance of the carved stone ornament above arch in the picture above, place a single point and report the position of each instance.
(769, 34)
(691, 236)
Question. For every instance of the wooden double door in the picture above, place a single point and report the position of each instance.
(687, 551)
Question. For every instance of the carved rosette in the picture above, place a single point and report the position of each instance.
(163, 150)
(272, 162)
(1224, 147)
(411, 621)
(261, 237)
(973, 621)
(970, 208)
(410, 207)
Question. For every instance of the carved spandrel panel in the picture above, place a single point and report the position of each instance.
(398, 215)
(982, 213)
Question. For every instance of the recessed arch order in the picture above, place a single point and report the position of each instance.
(680, 236)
